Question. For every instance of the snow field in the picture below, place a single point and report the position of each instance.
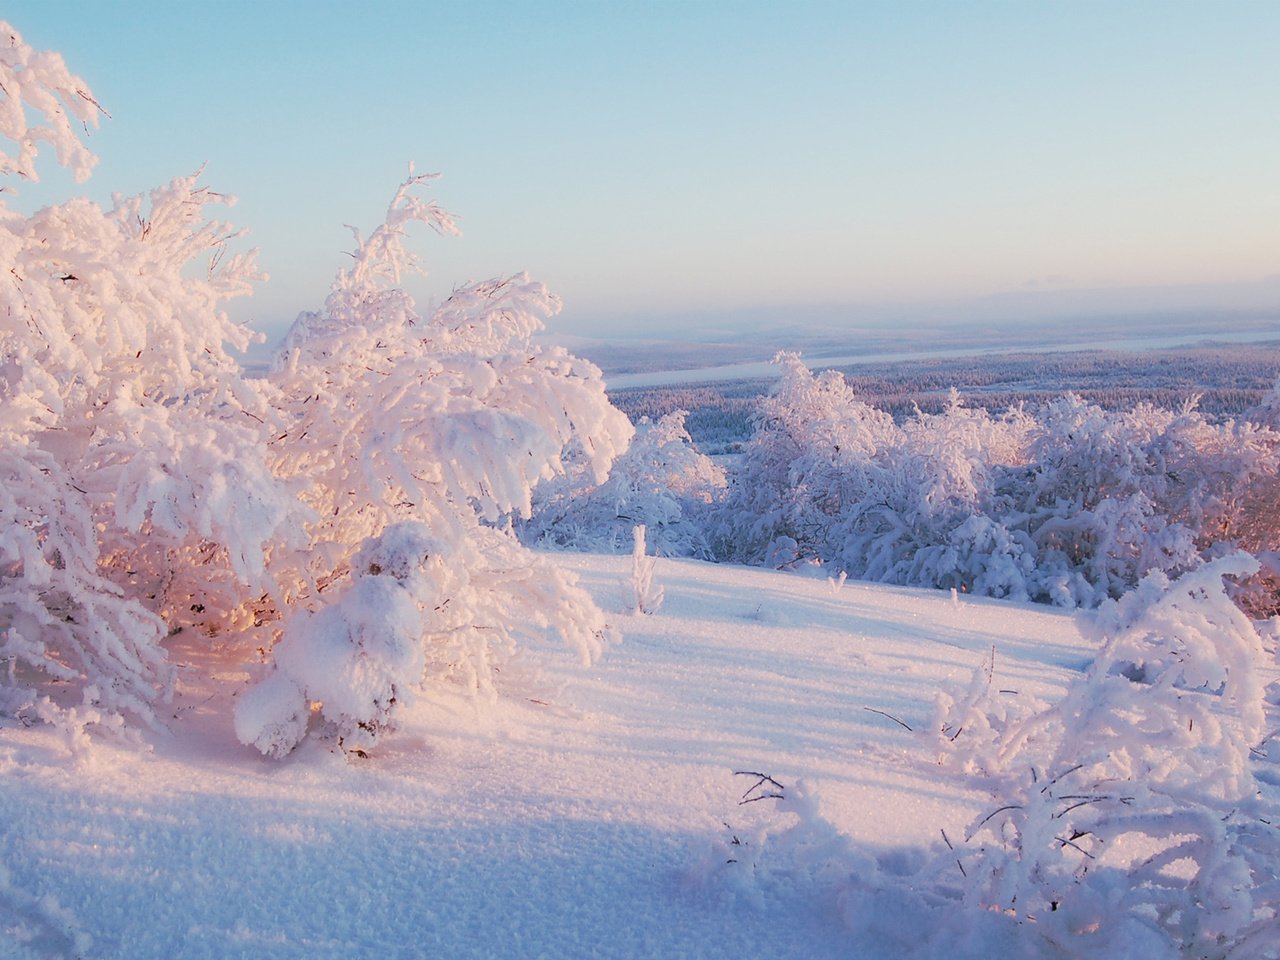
(586, 822)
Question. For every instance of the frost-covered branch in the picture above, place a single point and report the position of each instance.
(39, 81)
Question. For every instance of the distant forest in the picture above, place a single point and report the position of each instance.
(1228, 380)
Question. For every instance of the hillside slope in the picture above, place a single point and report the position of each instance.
(584, 816)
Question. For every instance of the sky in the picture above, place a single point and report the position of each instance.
(660, 164)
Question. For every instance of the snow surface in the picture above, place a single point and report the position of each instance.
(569, 824)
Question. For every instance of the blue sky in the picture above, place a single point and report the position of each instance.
(655, 161)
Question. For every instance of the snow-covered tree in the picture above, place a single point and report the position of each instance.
(148, 486)
(1256, 524)
(926, 513)
(828, 477)
(662, 482)
(37, 84)
(1131, 823)
(812, 443)
(135, 499)
(1109, 496)
(1072, 506)
(444, 422)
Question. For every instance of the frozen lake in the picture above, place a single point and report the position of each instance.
(765, 369)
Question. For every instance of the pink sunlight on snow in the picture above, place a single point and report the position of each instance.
(409, 641)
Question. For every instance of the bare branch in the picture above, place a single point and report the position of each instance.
(890, 716)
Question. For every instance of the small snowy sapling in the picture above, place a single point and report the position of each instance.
(646, 596)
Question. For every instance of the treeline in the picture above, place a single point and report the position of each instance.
(1069, 497)
(1228, 380)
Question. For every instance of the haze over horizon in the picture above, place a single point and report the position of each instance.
(669, 163)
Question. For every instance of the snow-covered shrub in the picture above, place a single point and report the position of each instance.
(1109, 496)
(1256, 518)
(1072, 507)
(646, 596)
(1130, 811)
(780, 845)
(929, 518)
(447, 421)
(452, 418)
(37, 83)
(1126, 819)
(661, 482)
(135, 497)
(148, 486)
(362, 654)
(1266, 412)
(813, 446)
(879, 501)
(969, 727)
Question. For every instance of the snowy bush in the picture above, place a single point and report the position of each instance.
(930, 517)
(446, 422)
(1108, 497)
(1130, 813)
(360, 655)
(37, 82)
(135, 497)
(1126, 819)
(646, 596)
(661, 482)
(780, 846)
(970, 726)
(147, 486)
(876, 500)
(1072, 506)
(809, 458)
(1256, 525)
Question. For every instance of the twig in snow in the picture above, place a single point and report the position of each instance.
(889, 715)
(761, 780)
(945, 840)
(1064, 773)
(1007, 806)
(1070, 842)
